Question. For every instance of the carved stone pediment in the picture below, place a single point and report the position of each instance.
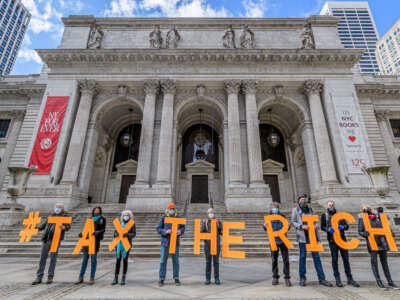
(200, 167)
(127, 167)
(271, 166)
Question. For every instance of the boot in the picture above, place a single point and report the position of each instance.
(79, 281)
(352, 282)
(275, 281)
(91, 281)
(115, 281)
(287, 282)
(161, 282)
(302, 282)
(208, 281)
(37, 281)
(380, 284)
(177, 282)
(49, 280)
(339, 283)
(217, 281)
(325, 283)
(393, 285)
(123, 280)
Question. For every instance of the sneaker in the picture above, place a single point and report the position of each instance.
(123, 280)
(287, 282)
(49, 280)
(208, 281)
(393, 285)
(37, 281)
(275, 281)
(161, 282)
(91, 281)
(79, 281)
(217, 282)
(352, 282)
(339, 283)
(115, 281)
(325, 283)
(177, 282)
(302, 282)
(380, 284)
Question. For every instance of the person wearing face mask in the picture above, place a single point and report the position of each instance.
(47, 238)
(99, 229)
(276, 226)
(206, 227)
(326, 226)
(165, 230)
(382, 247)
(303, 239)
(121, 253)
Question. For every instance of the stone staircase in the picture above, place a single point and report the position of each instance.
(147, 242)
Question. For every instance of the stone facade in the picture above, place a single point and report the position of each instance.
(292, 75)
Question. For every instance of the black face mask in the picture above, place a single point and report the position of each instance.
(366, 211)
(332, 210)
(303, 204)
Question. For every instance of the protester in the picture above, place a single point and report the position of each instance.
(326, 226)
(276, 226)
(121, 253)
(302, 236)
(99, 228)
(206, 227)
(47, 238)
(165, 230)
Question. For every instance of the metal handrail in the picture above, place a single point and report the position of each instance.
(187, 203)
(210, 200)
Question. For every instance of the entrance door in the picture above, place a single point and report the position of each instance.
(199, 189)
(272, 181)
(126, 182)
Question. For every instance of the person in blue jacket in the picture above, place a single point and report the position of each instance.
(165, 230)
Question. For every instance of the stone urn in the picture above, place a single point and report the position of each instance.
(379, 179)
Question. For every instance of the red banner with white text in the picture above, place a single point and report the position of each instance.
(48, 133)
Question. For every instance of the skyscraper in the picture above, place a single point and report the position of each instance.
(388, 51)
(14, 20)
(356, 30)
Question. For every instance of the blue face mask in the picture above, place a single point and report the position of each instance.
(275, 210)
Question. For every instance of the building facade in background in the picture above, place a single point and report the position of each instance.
(388, 51)
(357, 30)
(14, 20)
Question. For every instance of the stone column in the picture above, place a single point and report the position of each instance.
(18, 117)
(75, 151)
(235, 154)
(310, 153)
(151, 89)
(253, 133)
(312, 89)
(166, 133)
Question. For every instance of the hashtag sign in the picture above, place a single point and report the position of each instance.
(30, 227)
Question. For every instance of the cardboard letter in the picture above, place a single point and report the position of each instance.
(175, 222)
(313, 246)
(232, 239)
(280, 233)
(212, 236)
(58, 221)
(350, 245)
(121, 231)
(87, 239)
(384, 230)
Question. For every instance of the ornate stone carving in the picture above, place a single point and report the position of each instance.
(278, 91)
(201, 90)
(151, 86)
(249, 86)
(228, 40)
(173, 37)
(122, 90)
(307, 37)
(247, 38)
(312, 87)
(381, 115)
(155, 38)
(232, 86)
(96, 36)
(168, 86)
(87, 86)
(18, 114)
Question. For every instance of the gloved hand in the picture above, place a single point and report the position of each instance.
(340, 227)
(94, 233)
(125, 235)
(367, 233)
(116, 234)
(80, 234)
(331, 230)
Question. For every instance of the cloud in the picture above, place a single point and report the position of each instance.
(121, 8)
(29, 55)
(315, 10)
(254, 9)
(46, 19)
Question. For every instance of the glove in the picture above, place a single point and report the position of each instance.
(116, 234)
(367, 233)
(94, 233)
(331, 230)
(125, 235)
(340, 227)
(80, 234)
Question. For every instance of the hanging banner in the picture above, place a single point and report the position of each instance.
(48, 133)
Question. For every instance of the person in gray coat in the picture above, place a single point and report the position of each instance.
(303, 238)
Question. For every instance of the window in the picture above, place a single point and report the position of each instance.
(395, 123)
(4, 124)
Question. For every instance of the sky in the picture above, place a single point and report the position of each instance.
(45, 28)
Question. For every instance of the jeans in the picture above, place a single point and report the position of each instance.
(374, 264)
(285, 257)
(43, 257)
(93, 259)
(164, 253)
(335, 257)
(302, 263)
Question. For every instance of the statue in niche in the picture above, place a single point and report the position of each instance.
(95, 37)
(201, 146)
(155, 38)
(173, 37)
(247, 38)
(307, 37)
(229, 38)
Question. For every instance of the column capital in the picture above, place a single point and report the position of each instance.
(249, 86)
(381, 115)
(232, 86)
(87, 86)
(168, 86)
(151, 87)
(312, 87)
(18, 114)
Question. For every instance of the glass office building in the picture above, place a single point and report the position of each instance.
(356, 30)
(14, 20)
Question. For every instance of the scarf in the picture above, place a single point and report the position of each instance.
(120, 246)
(96, 218)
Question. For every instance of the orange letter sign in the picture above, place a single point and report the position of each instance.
(58, 222)
(350, 245)
(121, 231)
(172, 240)
(313, 246)
(87, 239)
(384, 230)
(212, 236)
(280, 233)
(230, 239)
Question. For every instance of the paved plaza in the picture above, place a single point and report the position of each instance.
(241, 279)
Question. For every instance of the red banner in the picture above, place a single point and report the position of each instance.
(48, 134)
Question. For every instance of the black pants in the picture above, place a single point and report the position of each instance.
(118, 264)
(285, 257)
(335, 249)
(374, 264)
(215, 261)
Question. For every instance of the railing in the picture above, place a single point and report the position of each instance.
(187, 203)
(210, 200)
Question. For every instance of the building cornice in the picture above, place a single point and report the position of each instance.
(22, 89)
(378, 90)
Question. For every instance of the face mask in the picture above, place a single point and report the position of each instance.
(275, 210)
(365, 210)
(211, 216)
(126, 218)
(57, 210)
(303, 204)
(171, 212)
(332, 210)
(96, 214)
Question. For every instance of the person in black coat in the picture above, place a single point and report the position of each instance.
(126, 215)
(335, 249)
(99, 229)
(276, 226)
(206, 227)
(382, 244)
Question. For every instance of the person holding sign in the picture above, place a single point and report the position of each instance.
(277, 226)
(304, 235)
(165, 229)
(99, 228)
(381, 244)
(329, 228)
(50, 233)
(206, 227)
(121, 252)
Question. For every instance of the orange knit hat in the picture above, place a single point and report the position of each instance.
(171, 205)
